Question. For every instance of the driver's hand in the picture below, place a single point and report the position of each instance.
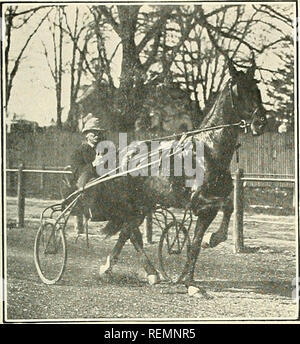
(97, 160)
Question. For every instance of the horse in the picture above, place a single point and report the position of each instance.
(125, 201)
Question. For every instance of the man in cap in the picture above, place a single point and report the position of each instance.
(85, 159)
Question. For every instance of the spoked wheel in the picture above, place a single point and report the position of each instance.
(173, 250)
(50, 249)
(50, 252)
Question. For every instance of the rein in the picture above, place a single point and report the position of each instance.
(243, 124)
(183, 135)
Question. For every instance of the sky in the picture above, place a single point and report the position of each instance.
(33, 95)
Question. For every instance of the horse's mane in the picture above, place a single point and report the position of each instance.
(216, 104)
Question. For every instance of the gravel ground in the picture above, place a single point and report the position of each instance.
(253, 285)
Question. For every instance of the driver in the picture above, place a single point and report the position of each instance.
(85, 158)
(84, 161)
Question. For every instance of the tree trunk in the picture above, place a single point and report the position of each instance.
(132, 75)
(59, 76)
(9, 21)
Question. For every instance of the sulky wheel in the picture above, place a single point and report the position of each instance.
(173, 250)
(50, 251)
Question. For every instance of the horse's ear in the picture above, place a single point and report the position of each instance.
(251, 71)
(232, 70)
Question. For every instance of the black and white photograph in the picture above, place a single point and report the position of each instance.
(149, 163)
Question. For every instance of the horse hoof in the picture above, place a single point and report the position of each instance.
(192, 291)
(205, 245)
(203, 296)
(216, 239)
(198, 293)
(161, 277)
(153, 279)
(105, 269)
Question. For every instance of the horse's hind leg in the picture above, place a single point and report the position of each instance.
(221, 234)
(78, 224)
(115, 253)
(137, 241)
(130, 231)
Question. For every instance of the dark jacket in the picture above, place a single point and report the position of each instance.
(81, 161)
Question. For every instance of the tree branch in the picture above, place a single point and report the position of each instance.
(202, 21)
(48, 61)
(218, 10)
(110, 19)
(276, 14)
(17, 62)
(155, 30)
(34, 10)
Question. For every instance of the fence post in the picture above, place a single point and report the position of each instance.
(21, 197)
(238, 201)
(294, 195)
(8, 177)
(148, 228)
(42, 183)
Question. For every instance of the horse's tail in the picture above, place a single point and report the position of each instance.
(112, 227)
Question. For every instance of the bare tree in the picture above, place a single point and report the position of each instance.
(161, 45)
(56, 66)
(142, 35)
(89, 58)
(200, 65)
(79, 36)
(204, 38)
(16, 19)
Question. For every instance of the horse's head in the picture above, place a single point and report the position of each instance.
(246, 98)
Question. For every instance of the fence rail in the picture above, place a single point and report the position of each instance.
(238, 224)
(279, 180)
(39, 171)
(238, 177)
(261, 177)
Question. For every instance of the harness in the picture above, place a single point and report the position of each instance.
(243, 124)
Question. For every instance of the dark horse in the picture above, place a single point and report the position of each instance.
(125, 201)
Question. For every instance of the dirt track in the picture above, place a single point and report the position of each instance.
(250, 285)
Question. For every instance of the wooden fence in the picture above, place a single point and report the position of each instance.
(271, 154)
(239, 179)
(238, 200)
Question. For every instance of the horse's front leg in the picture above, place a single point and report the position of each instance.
(205, 217)
(222, 233)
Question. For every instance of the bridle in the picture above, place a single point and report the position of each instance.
(245, 124)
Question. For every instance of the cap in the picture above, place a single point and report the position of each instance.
(92, 124)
